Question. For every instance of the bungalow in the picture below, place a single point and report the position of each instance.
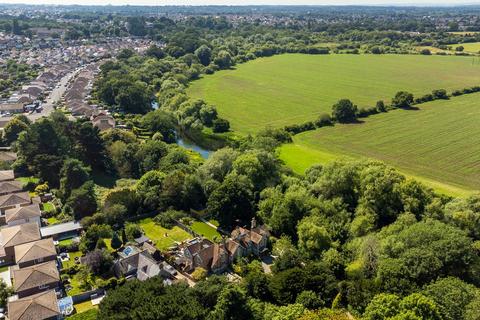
(11, 237)
(61, 231)
(36, 252)
(11, 108)
(23, 215)
(7, 187)
(14, 200)
(41, 306)
(35, 279)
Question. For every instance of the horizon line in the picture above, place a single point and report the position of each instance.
(414, 5)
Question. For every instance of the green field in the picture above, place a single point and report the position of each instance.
(473, 47)
(437, 143)
(294, 88)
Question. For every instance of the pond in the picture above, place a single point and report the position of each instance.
(187, 144)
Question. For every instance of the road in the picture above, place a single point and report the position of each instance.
(53, 97)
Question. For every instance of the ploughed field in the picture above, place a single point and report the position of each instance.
(439, 143)
(294, 88)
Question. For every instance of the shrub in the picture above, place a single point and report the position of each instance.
(440, 94)
(426, 52)
(221, 125)
(402, 99)
(199, 274)
(323, 120)
(457, 93)
(381, 106)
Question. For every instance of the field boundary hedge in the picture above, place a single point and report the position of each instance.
(327, 120)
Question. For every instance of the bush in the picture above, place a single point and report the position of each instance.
(323, 120)
(199, 274)
(365, 112)
(381, 106)
(457, 93)
(402, 99)
(440, 94)
(426, 52)
(221, 125)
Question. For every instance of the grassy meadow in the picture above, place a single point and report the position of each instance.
(294, 88)
(437, 144)
(473, 47)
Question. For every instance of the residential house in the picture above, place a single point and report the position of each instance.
(36, 252)
(202, 253)
(7, 175)
(254, 241)
(13, 200)
(216, 257)
(35, 279)
(139, 265)
(41, 306)
(8, 157)
(103, 121)
(62, 231)
(11, 108)
(7, 187)
(23, 215)
(12, 237)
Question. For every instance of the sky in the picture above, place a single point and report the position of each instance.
(247, 2)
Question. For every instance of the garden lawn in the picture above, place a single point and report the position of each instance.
(437, 144)
(84, 306)
(294, 88)
(71, 262)
(205, 230)
(48, 206)
(162, 237)
(87, 315)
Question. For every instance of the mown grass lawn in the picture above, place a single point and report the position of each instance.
(48, 206)
(205, 230)
(294, 88)
(86, 315)
(163, 238)
(84, 306)
(437, 143)
(71, 262)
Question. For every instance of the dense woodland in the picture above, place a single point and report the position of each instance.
(350, 239)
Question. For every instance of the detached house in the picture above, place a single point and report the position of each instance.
(139, 265)
(36, 252)
(42, 306)
(13, 237)
(204, 254)
(35, 279)
(216, 257)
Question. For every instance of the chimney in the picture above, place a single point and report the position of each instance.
(253, 225)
